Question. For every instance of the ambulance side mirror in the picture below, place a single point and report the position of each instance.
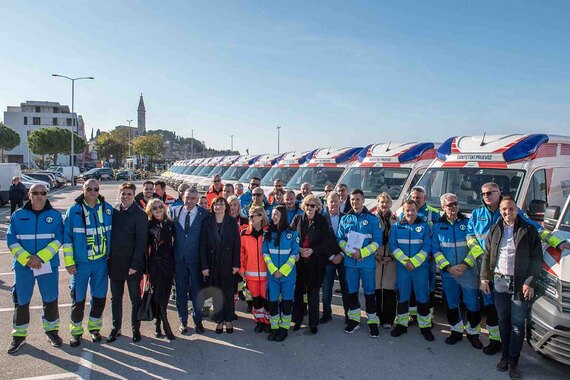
(536, 210)
(551, 215)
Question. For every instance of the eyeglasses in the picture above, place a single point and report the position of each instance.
(95, 189)
(42, 193)
(159, 207)
(311, 205)
(488, 193)
(253, 215)
(278, 186)
(254, 184)
(257, 195)
(452, 204)
(217, 180)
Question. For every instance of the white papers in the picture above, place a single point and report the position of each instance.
(45, 269)
(355, 240)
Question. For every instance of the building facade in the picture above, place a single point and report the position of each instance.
(33, 115)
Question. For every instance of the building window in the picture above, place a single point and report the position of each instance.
(55, 109)
(25, 120)
(68, 122)
(54, 121)
(37, 121)
(38, 109)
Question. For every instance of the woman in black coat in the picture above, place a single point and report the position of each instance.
(314, 235)
(220, 260)
(160, 263)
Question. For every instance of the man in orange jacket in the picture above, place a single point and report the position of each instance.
(215, 190)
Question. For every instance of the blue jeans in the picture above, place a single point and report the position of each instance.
(189, 277)
(328, 282)
(512, 316)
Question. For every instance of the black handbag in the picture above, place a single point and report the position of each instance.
(145, 310)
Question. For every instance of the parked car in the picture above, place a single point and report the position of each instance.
(127, 175)
(59, 177)
(46, 177)
(99, 174)
(65, 170)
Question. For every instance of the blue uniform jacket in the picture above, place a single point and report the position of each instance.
(410, 241)
(449, 243)
(35, 233)
(282, 257)
(363, 223)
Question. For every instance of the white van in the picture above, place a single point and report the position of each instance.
(549, 327)
(223, 166)
(206, 167)
(393, 168)
(324, 168)
(285, 169)
(240, 166)
(260, 167)
(7, 172)
(534, 169)
(66, 171)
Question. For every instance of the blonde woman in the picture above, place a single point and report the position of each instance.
(160, 263)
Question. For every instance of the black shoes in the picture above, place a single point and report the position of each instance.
(374, 332)
(230, 328)
(492, 348)
(17, 342)
(475, 342)
(259, 327)
(281, 335)
(158, 332)
(137, 336)
(220, 328)
(454, 338)
(54, 338)
(427, 334)
(351, 326)
(296, 326)
(115, 333)
(398, 330)
(514, 372)
(95, 336)
(503, 365)
(314, 330)
(325, 319)
(199, 328)
(183, 329)
(75, 341)
(273, 334)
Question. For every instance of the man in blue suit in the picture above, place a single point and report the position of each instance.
(188, 219)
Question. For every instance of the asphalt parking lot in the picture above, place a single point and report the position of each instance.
(329, 354)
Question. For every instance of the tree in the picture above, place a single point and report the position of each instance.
(114, 143)
(53, 141)
(150, 146)
(9, 139)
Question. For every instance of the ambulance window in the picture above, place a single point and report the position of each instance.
(417, 177)
(536, 189)
(565, 220)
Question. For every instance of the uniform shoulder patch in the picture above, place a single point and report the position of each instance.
(419, 229)
(365, 222)
(297, 240)
(108, 211)
(462, 227)
(49, 219)
(289, 236)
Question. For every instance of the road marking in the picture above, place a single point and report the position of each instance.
(131, 367)
(66, 375)
(85, 365)
(33, 307)
(7, 273)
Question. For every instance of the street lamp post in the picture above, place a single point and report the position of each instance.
(232, 145)
(73, 119)
(130, 158)
(192, 145)
(278, 130)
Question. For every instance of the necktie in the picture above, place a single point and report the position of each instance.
(187, 222)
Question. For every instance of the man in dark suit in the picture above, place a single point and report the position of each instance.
(126, 260)
(334, 264)
(188, 220)
(344, 199)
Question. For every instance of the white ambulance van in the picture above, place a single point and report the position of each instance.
(204, 184)
(261, 167)
(240, 166)
(324, 168)
(393, 168)
(285, 169)
(207, 166)
(548, 330)
(533, 168)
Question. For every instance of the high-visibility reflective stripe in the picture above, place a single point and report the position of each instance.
(260, 274)
(274, 320)
(373, 319)
(452, 244)
(34, 236)
(288, 266)
(50, 326)
(272, 268)
(458, 327)
(413, 310)
(369, 249)
(469, 260)
(494, 333)
(354, 315)
(279, 251)
(285, 321)
(94, 324)
(400, 256)
(476, 251)
(473, 330)
(419, 258)
(76, 328)
(402, 319)
(21, 330)
(550, 239)
(410, 241)
(440, 260)
(424, 321)
(342, 244)
(78, 230)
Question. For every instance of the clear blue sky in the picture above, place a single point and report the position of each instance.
(331, 73)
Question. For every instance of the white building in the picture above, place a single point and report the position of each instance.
(33, 115)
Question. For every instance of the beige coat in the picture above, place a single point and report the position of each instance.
(385, 274)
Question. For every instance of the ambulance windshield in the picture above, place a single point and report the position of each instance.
(317, 176)
(375, 180)
(284, 174)
(234, 173)
(258, 172)
(466, 184)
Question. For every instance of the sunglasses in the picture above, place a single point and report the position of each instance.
(488, 193)
(95, 189)
(159, 207)
(217, 180)
(254, 184)
(311, 205)
(257, 195)
(42, 193)
(452, 204)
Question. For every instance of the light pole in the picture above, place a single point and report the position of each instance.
(73, 119)
(129, 121)
(130, 158)
(278, 130)
(232, 146)
(192, 145)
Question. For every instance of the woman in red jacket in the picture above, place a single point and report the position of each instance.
(253, 268)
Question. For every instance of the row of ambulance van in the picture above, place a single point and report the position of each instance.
(533, 168)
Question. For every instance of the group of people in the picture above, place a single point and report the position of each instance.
(286, 247)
